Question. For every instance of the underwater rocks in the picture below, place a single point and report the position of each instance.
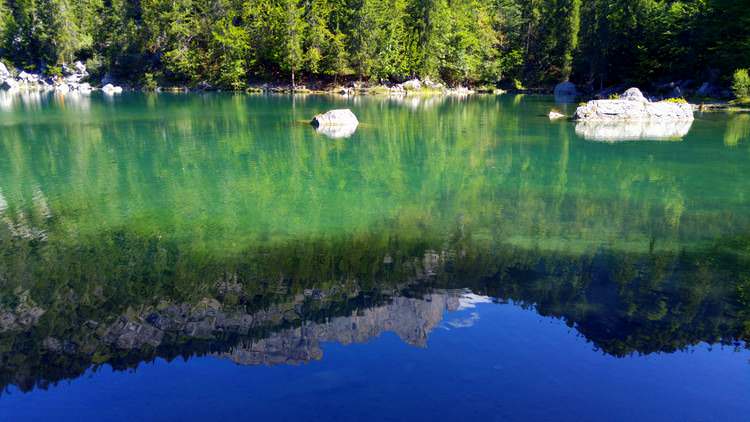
(633, 106)
(555, 115)
(23, 316)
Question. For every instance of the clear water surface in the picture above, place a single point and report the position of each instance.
(193, 257)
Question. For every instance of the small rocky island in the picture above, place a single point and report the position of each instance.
(633, 117)
(633, 106)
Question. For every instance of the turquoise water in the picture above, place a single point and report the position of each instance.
(219, 228)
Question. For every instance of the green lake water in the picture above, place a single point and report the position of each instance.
(119, 210)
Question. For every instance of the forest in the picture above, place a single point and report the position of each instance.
(521, 43)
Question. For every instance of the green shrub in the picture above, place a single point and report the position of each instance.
(614, 97)
(741, 83)
(676, 100)
(149, 82)
(55, 71)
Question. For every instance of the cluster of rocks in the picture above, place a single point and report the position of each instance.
(416, 85)
(23, 316)
(633, 106)
(72, 80)
(633, 117)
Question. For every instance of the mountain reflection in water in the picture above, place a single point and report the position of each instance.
(278, 306)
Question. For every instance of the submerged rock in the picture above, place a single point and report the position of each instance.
(644, 130)
(633, 106)
(554, 115)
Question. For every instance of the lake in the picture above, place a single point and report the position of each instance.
(207, 256)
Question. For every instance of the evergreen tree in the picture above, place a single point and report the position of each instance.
(292, 58)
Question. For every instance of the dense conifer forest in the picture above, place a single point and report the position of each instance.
(232, 43)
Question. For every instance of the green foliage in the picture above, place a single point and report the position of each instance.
(149, 82)
(675, 100)
(741, 83)
(229, 43)
(55, 71)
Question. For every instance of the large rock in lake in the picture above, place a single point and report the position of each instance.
(633, 106)
(340, 117)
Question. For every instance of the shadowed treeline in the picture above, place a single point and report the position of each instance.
(122, 299)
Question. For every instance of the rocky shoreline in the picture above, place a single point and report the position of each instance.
(73, 79)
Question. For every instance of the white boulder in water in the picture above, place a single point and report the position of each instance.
(339, 117)
(633, 106)
(111, 89)
(341, 123)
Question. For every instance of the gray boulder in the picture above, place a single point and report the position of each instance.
(80, 68)
(633, 106)
(340, 123)
(412, 85)
(566, 92)
(634, 94)
(9, 84)
(340, 117)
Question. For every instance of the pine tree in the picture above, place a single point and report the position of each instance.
(293, 35)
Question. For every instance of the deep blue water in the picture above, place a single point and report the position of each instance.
(502, 363)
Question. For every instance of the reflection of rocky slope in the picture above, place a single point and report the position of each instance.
(124, 299)
(280, 334)
(411, 319)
